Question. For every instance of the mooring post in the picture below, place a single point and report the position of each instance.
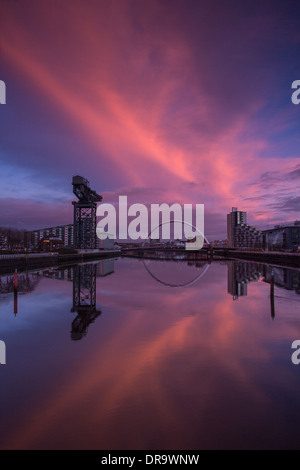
(272, 299)
(16, 292)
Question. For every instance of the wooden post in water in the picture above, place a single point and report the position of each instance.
(272, 284)
(16, 292)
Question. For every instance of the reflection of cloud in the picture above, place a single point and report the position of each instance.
(173, 359)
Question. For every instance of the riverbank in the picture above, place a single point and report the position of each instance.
(24, 262)
(278, 258)
(291, 260)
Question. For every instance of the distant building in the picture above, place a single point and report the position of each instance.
(51, 243)
(234, 219)
(283, 237)
(239, 233)
(64, 232)
(107, 244)
(3, 242)
(220, 243)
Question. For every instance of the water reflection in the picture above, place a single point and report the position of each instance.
(161, 368)
(84, 299)
(22, 283)
(27, 282)
(84, 278)
(288, 279)
(241, 273)
(167, 272)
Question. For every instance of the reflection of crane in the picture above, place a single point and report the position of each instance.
(84, 299)
(84, 213)
(81, 323)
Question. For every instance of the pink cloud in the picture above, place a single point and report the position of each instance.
(128, 97)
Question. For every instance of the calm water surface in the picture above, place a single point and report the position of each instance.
(156, 355)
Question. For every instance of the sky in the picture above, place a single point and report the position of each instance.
(160, 100)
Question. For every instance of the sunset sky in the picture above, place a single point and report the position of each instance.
(161, 100)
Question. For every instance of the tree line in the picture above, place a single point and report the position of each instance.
(12, 238)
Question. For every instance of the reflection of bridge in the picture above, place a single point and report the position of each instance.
(181, 283)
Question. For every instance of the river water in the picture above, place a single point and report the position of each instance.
(131, 354)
